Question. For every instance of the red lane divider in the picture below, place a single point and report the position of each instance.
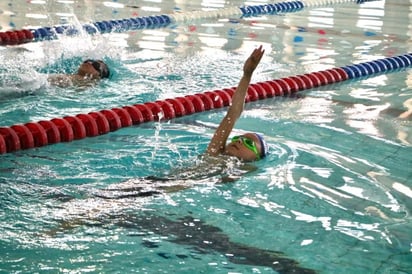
(39, 134)
(69, 128)
(16, 37)
(51, 130)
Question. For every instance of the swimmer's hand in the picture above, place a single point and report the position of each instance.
(408, 112)
(253, 60)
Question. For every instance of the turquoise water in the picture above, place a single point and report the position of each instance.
(333, 196)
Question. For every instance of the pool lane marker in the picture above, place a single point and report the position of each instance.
(69, 128)
(18, 37)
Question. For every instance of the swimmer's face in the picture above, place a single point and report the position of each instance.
(245, 147)
(93, 69)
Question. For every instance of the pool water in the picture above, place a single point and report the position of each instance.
(333, 196)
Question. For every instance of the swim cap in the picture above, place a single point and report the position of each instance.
(105, 72)
(264, 146)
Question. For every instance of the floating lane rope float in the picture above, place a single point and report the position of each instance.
(159, 21)
(69, 128)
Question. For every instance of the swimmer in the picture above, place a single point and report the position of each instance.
(88, 73)
(247, 147)
(215, 165)
(408, 112)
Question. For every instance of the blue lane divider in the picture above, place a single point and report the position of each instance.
(159, 21)
(122, 25)
(378, 66)
(273, 8)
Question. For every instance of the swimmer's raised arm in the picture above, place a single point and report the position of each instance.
(217, 144)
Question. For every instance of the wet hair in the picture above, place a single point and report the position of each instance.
(263, 145)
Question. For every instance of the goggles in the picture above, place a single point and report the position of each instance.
(248, 143)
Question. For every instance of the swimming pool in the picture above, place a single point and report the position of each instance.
(333, 196)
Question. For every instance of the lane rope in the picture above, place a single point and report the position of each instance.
(17, 37)
(69, 128)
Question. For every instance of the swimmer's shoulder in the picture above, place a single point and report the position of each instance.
(69, 80)
(60, 80)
